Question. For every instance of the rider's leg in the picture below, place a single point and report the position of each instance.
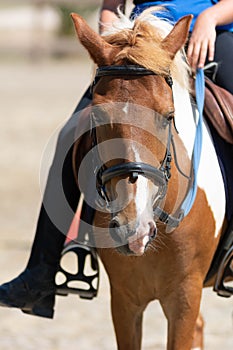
(33, 290)
(223, 56)
(224, 78)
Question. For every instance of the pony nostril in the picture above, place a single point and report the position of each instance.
(114, 224)
(153, 231)
(114, 227)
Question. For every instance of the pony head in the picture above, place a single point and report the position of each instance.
(134, 122)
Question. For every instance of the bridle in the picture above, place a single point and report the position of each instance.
(127, 70)
(160, 176)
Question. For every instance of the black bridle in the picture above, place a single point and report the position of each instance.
(160, 176)
(127, 70)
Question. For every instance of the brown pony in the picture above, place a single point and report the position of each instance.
(143, 133)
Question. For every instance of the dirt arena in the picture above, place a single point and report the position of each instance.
(35, 99)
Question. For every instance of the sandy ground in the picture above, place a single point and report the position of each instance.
(35, 100)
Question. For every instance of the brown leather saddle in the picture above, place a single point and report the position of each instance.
(218, 109)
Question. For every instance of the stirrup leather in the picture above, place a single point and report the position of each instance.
(83, 283)
(225, 270)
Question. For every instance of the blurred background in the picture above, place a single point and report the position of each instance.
(39, 29)
(43, 74)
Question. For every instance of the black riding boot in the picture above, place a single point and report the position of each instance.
(33, 291)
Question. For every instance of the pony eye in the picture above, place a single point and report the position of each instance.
(166, 119)
(170, 116)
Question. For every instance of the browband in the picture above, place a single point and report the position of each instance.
(129, 70)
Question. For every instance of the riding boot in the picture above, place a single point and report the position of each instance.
(224, 263)
(33, 291)
(225, 266)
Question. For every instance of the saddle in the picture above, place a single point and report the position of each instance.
(218, 109)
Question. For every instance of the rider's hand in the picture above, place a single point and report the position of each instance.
(202, 41)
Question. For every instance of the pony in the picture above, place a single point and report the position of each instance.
(144, 123)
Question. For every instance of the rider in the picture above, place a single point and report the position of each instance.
(34, 290)
(211, 30)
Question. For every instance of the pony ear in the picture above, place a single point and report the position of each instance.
(99, 50)
(176, 39)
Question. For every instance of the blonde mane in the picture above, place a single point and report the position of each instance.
(140, 42)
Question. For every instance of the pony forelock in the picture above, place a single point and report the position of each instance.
(140, 42)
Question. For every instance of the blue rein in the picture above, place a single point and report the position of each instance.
(174, 221)
(200, 96)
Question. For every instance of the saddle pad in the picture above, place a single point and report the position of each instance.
(218, 109)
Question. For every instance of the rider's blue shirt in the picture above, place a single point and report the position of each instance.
(179, 8)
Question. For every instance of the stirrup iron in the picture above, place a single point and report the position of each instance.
(225, 270)
(85, 285)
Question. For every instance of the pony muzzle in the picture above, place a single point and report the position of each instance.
(136, 238)
(118, 231)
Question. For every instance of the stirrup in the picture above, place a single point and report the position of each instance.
(81, 283)
(225, 270)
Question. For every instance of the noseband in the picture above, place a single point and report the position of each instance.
(159, 176)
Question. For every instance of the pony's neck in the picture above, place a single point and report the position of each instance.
(185, 116)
